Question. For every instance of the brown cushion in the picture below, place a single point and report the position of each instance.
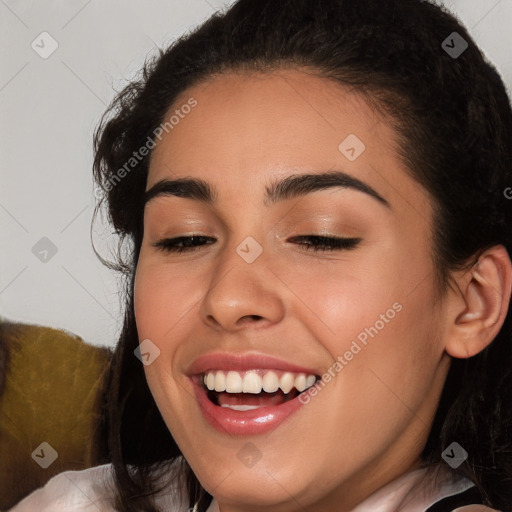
(52, 391)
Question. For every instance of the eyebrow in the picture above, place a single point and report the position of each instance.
(297, 185)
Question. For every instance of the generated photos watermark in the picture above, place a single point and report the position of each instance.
(357, 345)
(143, 151)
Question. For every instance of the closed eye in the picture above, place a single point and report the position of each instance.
(315, 242)
(182, 243)
(325, 243)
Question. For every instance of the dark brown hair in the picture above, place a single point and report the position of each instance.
(454, 121)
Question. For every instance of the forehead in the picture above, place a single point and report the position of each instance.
(266, 116)
(249, 127)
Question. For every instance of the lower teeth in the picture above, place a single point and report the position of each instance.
(241, 407)
(248, 402)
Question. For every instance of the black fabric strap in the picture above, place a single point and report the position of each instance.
(471, 496)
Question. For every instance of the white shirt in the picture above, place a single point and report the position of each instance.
(91, 490)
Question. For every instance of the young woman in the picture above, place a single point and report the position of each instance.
(316, 198)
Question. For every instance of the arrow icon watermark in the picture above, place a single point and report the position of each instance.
(249, 454)
(249, 249)
(147, 352)
(44, 45)
(352, 147)
(44, 250)
(454, 455)
(454, 45)
(45, 455)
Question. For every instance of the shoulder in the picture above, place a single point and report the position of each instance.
(84, 491)
(93, 490)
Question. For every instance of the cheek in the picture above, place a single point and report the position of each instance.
(379, 315)
(158, 305)
(341, 303)
(156, 309)
(389, 357)
(160, 298)
(165, 300)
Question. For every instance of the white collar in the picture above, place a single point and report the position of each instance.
(413, 492)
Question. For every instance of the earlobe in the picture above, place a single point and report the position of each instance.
(482, 307)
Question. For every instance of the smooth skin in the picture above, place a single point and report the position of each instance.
(369, 424)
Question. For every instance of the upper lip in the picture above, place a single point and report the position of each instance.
(243, 362)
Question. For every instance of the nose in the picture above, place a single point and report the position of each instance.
(242, 294)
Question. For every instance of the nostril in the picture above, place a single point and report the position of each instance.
(251, 317)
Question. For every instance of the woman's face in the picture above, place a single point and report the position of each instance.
(253, 307)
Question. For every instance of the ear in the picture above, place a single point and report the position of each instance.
(478, 311)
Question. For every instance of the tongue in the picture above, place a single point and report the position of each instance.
(262, 399)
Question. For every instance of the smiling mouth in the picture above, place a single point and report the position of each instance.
(252, 389)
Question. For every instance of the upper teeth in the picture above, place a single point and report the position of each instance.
(254, 381)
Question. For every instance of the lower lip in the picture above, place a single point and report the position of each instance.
(252, 422)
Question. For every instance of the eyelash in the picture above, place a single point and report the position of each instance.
(169, 245)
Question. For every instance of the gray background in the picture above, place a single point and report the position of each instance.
(48, 111)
